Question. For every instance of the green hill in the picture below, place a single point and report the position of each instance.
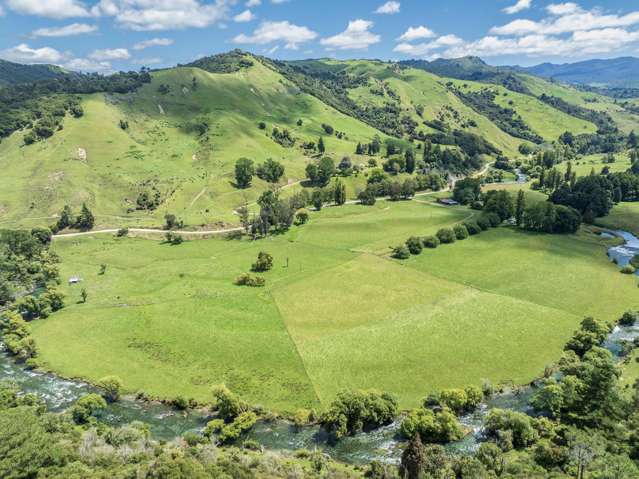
(14, 73)
(175, 134)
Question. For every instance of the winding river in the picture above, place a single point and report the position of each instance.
(382, 444)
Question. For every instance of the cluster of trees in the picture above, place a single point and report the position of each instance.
(270, 171)
(26, 266)
(283, 137)
(83, 221)
(415, 244)
(605, 123)
(380, 185)
(148, 200)
(356, 411)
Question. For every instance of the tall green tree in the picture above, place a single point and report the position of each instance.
(86, 220)
(244, 171)
(321, 147)
(520, 207)
(339, 193)
(413, 459)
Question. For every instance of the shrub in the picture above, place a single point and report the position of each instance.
(111, 387)
(414, 245)
(494, 219)
(242, 423)
(431, 242)
(401, 252)
(246, 279)
(122, 232)
(472, 228)
(629, 318)
(628, 269)
(432, 427)
(228, 404)
(483, 222)
(174, 238)
(520, 425)
(446, 236)
(355, 411)
(86, 407)
(264, 262)
(301, 218)
(461, 233)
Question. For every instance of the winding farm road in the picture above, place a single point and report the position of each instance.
(234, 229)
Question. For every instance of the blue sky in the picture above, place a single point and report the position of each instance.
(108, 35)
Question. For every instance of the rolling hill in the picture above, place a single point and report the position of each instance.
(177, 134)
(15, 73)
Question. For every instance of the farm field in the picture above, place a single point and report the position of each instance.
(624, 216)
(336, 311)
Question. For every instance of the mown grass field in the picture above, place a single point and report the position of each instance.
(336, 313)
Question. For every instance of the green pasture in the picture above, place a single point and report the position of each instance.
(624, 216)
(336, 312)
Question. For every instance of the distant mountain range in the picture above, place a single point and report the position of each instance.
(613, 73)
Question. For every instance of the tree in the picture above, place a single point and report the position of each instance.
(400, 252)
(359, 150)
(244, 171)
(325, 171)
(264, 262)
(270, 171)
(467, 190)
(85, 220)
(111, 387)
(84, 295)
(414, 245)
(321, 147)
(317, 199)
(171, 222)
(413, 459)
(499, 202)
(410, 161)
(339, 193)
(520, 207)
(446, 236)
(228, 404)
(86, 407)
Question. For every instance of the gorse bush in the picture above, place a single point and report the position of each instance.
(246, 279)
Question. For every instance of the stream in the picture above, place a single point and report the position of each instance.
(382, 444)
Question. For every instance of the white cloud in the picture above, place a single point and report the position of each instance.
(153, 42)
(416, 33)
(149, 15)
(421, 49)
(57, 9)
(389, 8)
(520, 6)
(245, 16)
(110, 54)
(66, 31)
(269, 32)
(253, 3)
(563, 8)
(146, 61)
(357, 36)
(23, 53)
(567, 18)
(87, 65)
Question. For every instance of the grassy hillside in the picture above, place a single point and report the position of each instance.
(14, 73)
(626, 121)
(160, 150)
(336, 312)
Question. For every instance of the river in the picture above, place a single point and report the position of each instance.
(382, 444)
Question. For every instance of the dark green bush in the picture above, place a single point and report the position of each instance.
(446, 236)
(430, 242)
(414, 245)
(461, 233)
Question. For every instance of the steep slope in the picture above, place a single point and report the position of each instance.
(415, 88)
(14, 73)
(93, 159)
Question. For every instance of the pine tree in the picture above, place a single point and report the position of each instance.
(340, 193)
(413, 459)
(320, 145)
(520, 207)
(359, 150)
(86, 219)
(410, 161)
